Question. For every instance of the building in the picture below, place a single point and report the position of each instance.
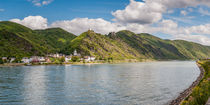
(41, 59)
(92, 58)
(89, 58)
(25, 60)
(55, 55)
(67, 59)
(34, 59)
(12, 59)
(4, 58)
(47, 59)
(75, 52)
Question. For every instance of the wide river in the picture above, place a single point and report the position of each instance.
(150, 83)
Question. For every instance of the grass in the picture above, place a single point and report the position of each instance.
(200, 93)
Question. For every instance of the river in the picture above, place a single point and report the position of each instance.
(144, 83)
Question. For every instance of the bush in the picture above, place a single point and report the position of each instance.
(200, 93)
(62, 59)
(1, 61)
(75, 59)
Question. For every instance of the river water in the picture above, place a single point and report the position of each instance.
(146, 83)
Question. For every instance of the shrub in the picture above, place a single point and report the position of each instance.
(75, 59)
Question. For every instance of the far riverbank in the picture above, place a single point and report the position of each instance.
(88, 63)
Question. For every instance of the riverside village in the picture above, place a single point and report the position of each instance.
(49, 59)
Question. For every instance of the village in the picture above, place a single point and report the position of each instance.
(51, 58)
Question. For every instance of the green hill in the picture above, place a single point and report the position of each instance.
(101, 46)
(191, 49)
(128, 45)
(56, 38)
(150, 46)
(17, 40)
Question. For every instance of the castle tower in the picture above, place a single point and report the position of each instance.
(75, 52)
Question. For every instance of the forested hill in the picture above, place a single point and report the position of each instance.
(17, 40)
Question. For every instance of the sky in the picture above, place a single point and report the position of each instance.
(167, 19)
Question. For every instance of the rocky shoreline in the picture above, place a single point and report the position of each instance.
(188, 91)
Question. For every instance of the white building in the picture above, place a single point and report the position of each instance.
(25, 60)
(75, 52)
(89, 58)
(12, 59)
(4, 58)
(41, 59)
(34, 59)
(56, 55)
(92, 58)
(67, 59)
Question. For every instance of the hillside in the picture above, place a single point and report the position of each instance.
(191, 49)
(149, 45)
(19, 41)
(128, 45)
(56, 38)
(94, 44)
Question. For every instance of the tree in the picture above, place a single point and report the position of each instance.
(75, 59)
(1, 61)
(62, 59)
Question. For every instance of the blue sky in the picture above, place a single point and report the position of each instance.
(61, 9)
(168, 19)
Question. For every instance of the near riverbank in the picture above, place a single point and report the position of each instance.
(198, 92)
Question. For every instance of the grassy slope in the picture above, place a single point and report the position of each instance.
(128, 45)
(150, 46)
(17, 40)
(90, 43)
(154, 47)
(192, 50)
(200, 93)
(56, 38)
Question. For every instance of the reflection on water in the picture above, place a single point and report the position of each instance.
(153, 83)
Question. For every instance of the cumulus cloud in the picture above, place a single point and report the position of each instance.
(140, 12)
(194, 38)
(33, 22)
(40, 2)
(79, 25)
(151, 11)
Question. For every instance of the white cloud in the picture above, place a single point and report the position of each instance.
(183, 12)
(194, 38)
(33, 22)
(40, 2)
(200, 29)
(151, 11)
(170, 4)
(1, 10)
(140, 12)
(79, 25)
(204, 12)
